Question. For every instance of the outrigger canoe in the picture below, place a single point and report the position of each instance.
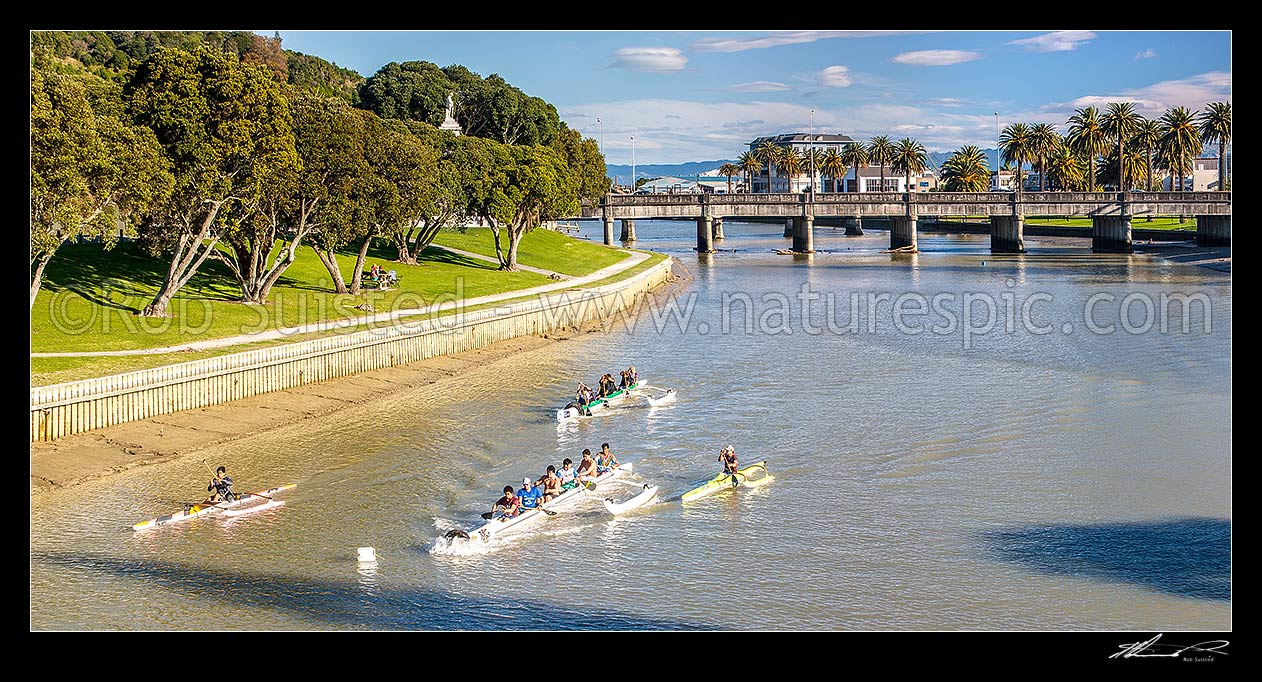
(646, 494)
(597, 404)
(750, 476)
(241, 505)
(501, 524)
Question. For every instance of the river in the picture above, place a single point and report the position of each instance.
(1032, 474)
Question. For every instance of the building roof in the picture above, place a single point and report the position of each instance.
(803, 138)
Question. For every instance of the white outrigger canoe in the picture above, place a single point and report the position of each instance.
(665, 399)
(501, 524)
(239, 506)
(598, 404)
(646, 495)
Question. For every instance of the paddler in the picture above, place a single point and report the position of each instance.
(550, 483)
(607, 385)
(586, 468)
(220, 487)
(567, 475)
(605, 461)
(583, 396)
(529, 495)
(509, 505)
(728, 457)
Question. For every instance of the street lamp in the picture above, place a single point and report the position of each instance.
(812, 148)
(602, 135)
(998, 160)
(633, 164)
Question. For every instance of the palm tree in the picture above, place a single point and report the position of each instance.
(1064, 168)
(1018, 146)
(856, 157)
(833, 166)
(966, 171)
(1216, 127)
(880, 152)
(792, 164)
(1087, 137)
(1043, 141)
(751, 166)
(769, 155)
(1132, 164)
(909, 157)
(1180, 143)
(1120, 122)
(729, 169)
(1147, 135)
(814, 159)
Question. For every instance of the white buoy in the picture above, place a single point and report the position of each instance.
(367, 554)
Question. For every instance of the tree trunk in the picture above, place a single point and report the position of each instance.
(359, 264)
(495, 235)
(1222, 165)
(37, 277)
(184, 264)
(1149, 168)
(1042, 172)
(1121, 166)
(329, 258)
(514, 237)
(401, 246)
(158, 307)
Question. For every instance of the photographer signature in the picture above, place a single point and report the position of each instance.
(1151, 649)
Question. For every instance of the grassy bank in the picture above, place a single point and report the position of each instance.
(45, 371)
(541, 249)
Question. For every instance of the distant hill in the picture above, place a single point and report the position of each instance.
(657, 170)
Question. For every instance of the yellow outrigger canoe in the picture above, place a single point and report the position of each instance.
(750, 476)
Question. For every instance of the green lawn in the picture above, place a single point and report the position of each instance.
(544, 249)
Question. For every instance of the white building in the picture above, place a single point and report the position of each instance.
(1204, 177)
(801, 143)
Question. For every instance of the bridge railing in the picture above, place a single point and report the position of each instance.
(798, 198)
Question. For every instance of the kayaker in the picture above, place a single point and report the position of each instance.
(586, 467)
(220, 487)
(728, 457)
(550, 483)
(530, 495)
(567, 475)
(605, 461)
(509, 504)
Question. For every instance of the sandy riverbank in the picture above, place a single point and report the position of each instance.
(88, 456)
(1187, 252)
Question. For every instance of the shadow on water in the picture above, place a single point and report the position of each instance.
(352, 605)
(1188, 557)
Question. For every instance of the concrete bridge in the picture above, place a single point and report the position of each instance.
(1110, 212)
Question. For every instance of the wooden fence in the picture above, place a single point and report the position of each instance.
(78, 406)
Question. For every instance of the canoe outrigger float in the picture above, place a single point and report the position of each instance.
(234, 508)
(647, 492)
(750, 476)
(597, 404)
(501, 524)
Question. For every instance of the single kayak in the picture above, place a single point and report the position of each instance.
(597, 404)
(646, 495)
(241, 503)
(501, 524)
(750, 476)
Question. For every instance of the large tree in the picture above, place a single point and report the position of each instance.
(909, 158)
(92, 172)
(730, 170)
(966, 171)
(834, 166)
(1215, 128)
(1179, 144)
(768, 154)
(881, 152)
(1147, 136)
(1065, 170)
(750, 165)
(1087, 138)
(227, 130)
(1120, 122)
(1018, 147)
(527, 185)
(586, 163)
(1043, 141)
(854, 156)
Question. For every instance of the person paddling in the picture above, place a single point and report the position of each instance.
(605, 461)
(529, 495)
(586, 467)
(728, 457)
(220, 487)
(567, 475)
(550, 483)
(509, 504)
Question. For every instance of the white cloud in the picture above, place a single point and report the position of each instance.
(834, 77)
(759, 86)
(937, 57)
(1059, 41)
(946, 101)
(783, 38)
(1146, 54)
(1152, 100)
(649, 59)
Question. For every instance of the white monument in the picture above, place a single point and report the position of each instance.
(449, 123)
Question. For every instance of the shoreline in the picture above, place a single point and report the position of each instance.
(80, 458)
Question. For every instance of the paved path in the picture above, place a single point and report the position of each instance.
(633, 259)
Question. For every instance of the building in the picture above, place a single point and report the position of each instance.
(800, 143)
(871, 180)
(1003, 180)
(1204, 177)
(672, 185)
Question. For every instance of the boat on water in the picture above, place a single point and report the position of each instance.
(750, 476)
(664, 399)
(598, 404)
(500, 524)
(646, 494)
(245, 504)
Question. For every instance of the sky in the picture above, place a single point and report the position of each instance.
(704, 95)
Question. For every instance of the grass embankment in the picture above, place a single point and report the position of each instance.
(95, 295)
(544, 249)
(1137, 223)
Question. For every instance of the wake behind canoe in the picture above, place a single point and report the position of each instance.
(207, 508)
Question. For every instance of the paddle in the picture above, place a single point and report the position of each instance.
(213, 475)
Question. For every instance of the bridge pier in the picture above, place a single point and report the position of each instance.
(628, 230)
(1111, 234)
(608, 231)
(1007, 234)
(789, 226)
(903, 232)
(854, 226)
(705, 235)
(718, 229)
(803, 234)
(1213, 230)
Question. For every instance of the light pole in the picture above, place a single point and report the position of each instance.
(602, 135)
(998, 159)
(633, 164)
(812, 151)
